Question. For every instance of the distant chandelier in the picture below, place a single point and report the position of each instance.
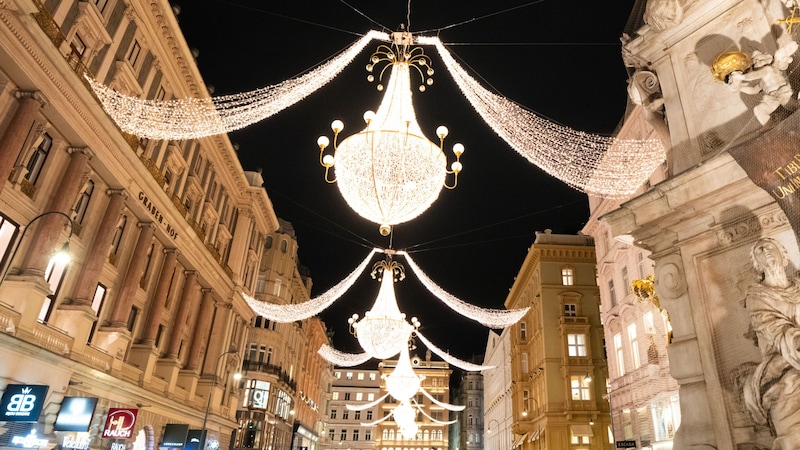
(389, 172)
(403, 383)
(383, 331)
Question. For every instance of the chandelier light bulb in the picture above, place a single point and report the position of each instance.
(442, 132)
(369, 116)
(327, 161)
(337, 126)
(458, 149)
(456, 167)
(323, 142)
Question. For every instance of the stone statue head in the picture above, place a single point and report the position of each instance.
(768, 253)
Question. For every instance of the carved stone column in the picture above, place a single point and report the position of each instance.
(13, 139)
(98, 251)
(202, 328)
(48, 232)
(179, 322)
(157, 306)
(127, 288)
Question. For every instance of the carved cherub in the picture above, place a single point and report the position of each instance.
(766, 75)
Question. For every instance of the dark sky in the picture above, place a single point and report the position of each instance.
(560, 59)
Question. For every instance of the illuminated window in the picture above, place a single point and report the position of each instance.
(579, 387)
(620, 355)
(567, 276)
(634, 345)
(576, 344)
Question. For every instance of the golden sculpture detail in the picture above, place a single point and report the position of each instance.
(727, 63)
(645, 290)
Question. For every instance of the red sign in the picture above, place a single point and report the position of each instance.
(120, 423)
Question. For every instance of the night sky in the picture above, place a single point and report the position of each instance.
(560, 59)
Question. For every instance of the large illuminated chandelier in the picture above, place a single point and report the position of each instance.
(389, 172)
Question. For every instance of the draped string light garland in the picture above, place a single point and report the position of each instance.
(192, 118)
(299, 311)
(595, 164)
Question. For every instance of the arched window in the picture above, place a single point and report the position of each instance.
(284, 246)
(83, 202)
(268, 242)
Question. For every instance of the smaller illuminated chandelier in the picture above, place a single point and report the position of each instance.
(403, 383)
(383, 331)
(389, 172)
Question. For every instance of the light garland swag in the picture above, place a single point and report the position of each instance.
(594, 164)
(299, 311)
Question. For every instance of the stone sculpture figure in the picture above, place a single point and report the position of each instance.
(766, 75)
(772, 390)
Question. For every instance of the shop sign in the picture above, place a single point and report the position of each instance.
(117, 446)
(30, 441)
(195, 440)
(75, 414)
(22, 402)
(120, 423)
(76, 442)
(175, 435)
(626, 444)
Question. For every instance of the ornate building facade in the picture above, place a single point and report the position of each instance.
(470, 394)
(719, 88)
(498, 419)
(282, 369)
(165, 237)
(344, 429)
(557, 348)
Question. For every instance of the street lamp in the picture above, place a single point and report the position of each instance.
(236, 376)
(62, 254)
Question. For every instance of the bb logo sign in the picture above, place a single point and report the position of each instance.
(22, 402)
(120, 423)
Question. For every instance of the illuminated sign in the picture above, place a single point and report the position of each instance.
(120, 423)
(22, 402)
(195, 440)
(258, 394)
(76, 442)
(75, 414)
(30, 441)
(175, 435)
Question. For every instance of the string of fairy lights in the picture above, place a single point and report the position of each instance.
(592, 163)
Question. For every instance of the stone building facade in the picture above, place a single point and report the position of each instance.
(724, 79)
(165, 236)
(344, 429)
(498, 419)
(282, 370)
(557, 348)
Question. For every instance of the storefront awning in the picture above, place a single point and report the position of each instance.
(581, 430)
(518, 441)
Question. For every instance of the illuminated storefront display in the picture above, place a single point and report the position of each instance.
(22, 402)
